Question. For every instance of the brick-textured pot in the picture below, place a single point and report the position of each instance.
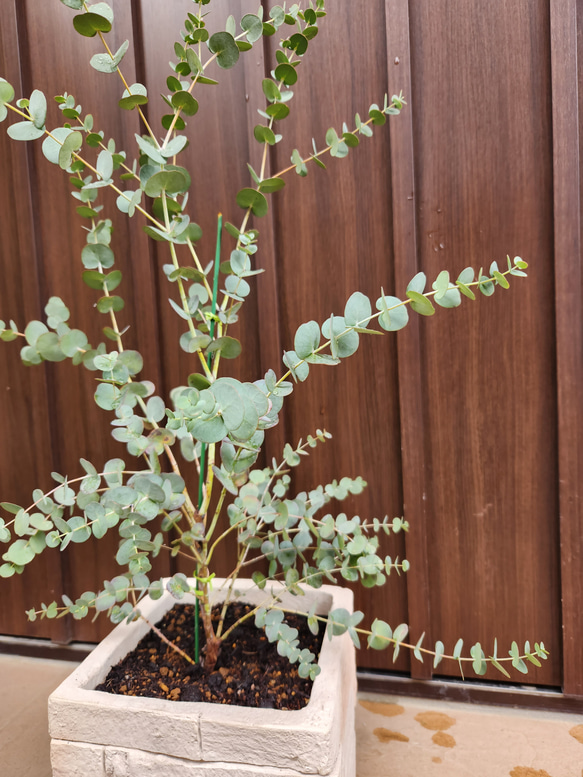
(96, 734)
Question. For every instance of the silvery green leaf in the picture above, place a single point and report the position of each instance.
(417, 284)
(38, 108)
(307, 339)
(147, 147)
(104, 63)
(104, 165)
(52, 143)
(102, 9)
(357, 311)
(174, 146)
(24, 130)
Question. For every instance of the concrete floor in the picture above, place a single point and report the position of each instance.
(396, 737)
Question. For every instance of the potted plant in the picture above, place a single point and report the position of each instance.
(290, 551)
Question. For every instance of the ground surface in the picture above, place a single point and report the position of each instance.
(396, 737)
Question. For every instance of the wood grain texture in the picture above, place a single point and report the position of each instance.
(24, 404)
(483, 148)
(411, 394)
(334, 236)
(566, 25)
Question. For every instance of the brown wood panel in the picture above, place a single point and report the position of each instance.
(411, 395)
(566, 25)
(334, 236)
(59, 239)
(484, 189)
(24, 405)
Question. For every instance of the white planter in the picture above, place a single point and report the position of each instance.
(96, 734)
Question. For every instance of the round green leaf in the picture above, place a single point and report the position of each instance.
(38, 108)
(208, 432)
(191, 343)
(72, 143)
(147, 147)
(307, 339)
(73, 341)
(33, 331)
(277, 110)
(56, 311)
(185, 102)
(19, 553)
(264, 134)
(395, 319)
(132, 101)
(229, 347)
(345, 344)
(104, 165)
(420, 304)
(103, 9)
(299, 369)
(378, 117)
(137, 94)
(105, 304)
(174, 146)
(96, 255)
(299, 43)
(350, 139)
(270, 90)
(253, 26)
(49, 348)
(6, 92)
(251, 198)
(86, 212)
(271, 185)
(286, 73)
(132, 360)
(52, 145)
(224, 46)
(106, 396)
(172, 182)
(24, 130)
(358, 310)
(89, 24)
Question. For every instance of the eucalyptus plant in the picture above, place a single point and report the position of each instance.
(217, 422)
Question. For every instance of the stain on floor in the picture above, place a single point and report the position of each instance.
(435, 721)
(443, 740)
(384, 735)
(381, 708)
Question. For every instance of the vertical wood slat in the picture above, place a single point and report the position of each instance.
(269, 338)
(36, 449)
(410, 378)
(569, 332)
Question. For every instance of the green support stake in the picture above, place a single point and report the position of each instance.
(203, 447)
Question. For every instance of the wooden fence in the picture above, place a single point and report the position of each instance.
(468, 423)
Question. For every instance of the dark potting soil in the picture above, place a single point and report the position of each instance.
(249, 671)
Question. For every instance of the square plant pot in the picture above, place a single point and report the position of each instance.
(97, 734)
